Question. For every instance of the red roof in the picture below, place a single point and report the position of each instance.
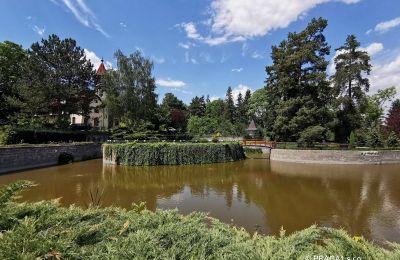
(102, 69)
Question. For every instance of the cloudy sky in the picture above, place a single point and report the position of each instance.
(202, 47)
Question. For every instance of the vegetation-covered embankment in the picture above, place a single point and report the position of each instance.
(46, 231)
(172, 153)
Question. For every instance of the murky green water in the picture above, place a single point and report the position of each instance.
(255, 194)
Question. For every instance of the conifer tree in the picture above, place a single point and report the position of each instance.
(298, 84)
(350, 86)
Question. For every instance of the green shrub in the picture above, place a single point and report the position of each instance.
(200, 140)
(42, 136)
(311, 135)
(252, 150)
(374, 138)
(45, 230)
(392, 140)
(352, 140)
(172, 153)
(6, 134)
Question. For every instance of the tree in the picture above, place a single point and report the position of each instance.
(261, 109)
(57, 81)
(197, 106)
(374, 110)
(350, 86)
(297, 82)
(393, 119)
(240, 109)
(12, 58)
(173, 112)
(230, 105)
(130, 89)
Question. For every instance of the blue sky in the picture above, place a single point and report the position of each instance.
(202, 47)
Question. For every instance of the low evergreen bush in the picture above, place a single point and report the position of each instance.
(172, 153)
(44, 230)
(42, 136)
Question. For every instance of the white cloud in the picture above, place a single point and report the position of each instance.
(238, 20)
(386, 25)
(384, 75)
(158, 60)
(372, 49)
(189, 59)
(95, 60)
(170, 83)
(213, 98)
(245, 47)
(237, 70)
(184, 45)
(240, 89)
(39, 30)
(123, 25)
(257, 55)
(84, 15)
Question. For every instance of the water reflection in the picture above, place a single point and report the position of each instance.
(254, 194)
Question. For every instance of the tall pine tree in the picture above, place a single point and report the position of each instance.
(350, 86)
(297, 82)
(230, 105)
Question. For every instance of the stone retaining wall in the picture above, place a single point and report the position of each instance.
(335, 156)
(28, 157)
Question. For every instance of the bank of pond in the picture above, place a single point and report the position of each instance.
(45, 230)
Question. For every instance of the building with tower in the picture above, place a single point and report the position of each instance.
(98, 117)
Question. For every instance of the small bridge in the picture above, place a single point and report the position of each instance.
(258, 143)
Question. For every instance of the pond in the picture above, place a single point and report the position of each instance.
(256, 194)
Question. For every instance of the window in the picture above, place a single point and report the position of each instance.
(73, 120)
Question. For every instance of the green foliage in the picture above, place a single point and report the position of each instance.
(12, 59)
(350, 87)
(311, 135)
(298, 90)
(375, 137)
(197, 106)
(42, 136)
(230, 105)
(57, 80)
(8, 192)
(352, 140)
(45, 230)
(172, 153)
(130, 89)
(392, 140)
(252, 150)
(173, 113)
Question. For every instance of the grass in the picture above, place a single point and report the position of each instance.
(45, 230)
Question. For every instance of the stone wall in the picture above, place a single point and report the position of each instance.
(27, 157)
(335, 156)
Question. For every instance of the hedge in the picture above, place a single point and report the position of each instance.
(41, 136)
(172, 153)
(44, 230)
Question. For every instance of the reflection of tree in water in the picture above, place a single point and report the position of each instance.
(341, 196)
(292, 196)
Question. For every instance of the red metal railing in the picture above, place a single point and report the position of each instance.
(261, 143)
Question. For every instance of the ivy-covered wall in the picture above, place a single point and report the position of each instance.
(171, 153)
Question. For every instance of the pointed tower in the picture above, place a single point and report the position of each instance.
(102, 69)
